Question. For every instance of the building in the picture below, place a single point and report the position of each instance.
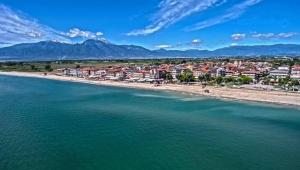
(220, 72)
(281, 72)
(295, 72)
(197, 73)
(88, 71)
(251, 73)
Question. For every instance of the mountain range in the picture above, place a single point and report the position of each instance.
(96, 49)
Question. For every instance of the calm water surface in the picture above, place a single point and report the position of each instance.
(52, 125)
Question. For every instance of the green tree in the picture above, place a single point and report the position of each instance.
(201, 78)
(245, 80)
(219, 80)
(293, 82)
(207, 77)
(48, 68)
(169, 77)
(267, 80)
(284, 81)
(229, 79)
(187, 76)
(33, 67)
(162, 75)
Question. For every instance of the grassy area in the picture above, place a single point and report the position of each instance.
(43, 66)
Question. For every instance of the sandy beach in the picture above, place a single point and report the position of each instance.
(277, 97)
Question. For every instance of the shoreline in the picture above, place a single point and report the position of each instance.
(272, 97)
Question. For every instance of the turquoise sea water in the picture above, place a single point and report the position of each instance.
(52, 125)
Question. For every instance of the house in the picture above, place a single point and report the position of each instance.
(71, 72)
(230, 73)
(100, 73)
(281, 72)
(213, 72)
(175, 72)
(220, 72)
(251, 73)
(88, 71)
(295, 72)
(198, 72)
(138, 75)
(238, 63)
(148, 75)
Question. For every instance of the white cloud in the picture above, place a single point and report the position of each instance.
(76, 32)
(273, 35)
(233, 13)
(263, 36)
(99, 34)
(237, 37)
(234, 44)
(172, 11)
(196, 42)
(164, 46)
(287, 34)
(15, 27)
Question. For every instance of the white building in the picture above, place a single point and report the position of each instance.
(295, 73)
(281, 72)
(221, 72)
(175, 72)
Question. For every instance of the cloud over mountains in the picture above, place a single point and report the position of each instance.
(16, 27)
(263, 36)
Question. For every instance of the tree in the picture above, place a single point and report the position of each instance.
(169, 77)
(229, 79)
(178, 77)
(48, 68)
(207, 77)
(162, 74)
(245, 80)
(32, 67)
(201, 78)
(293, 82)
(219, 80)
(283, 81)
(187, 76)
(266, 80)
(77, 66)
(183, 61)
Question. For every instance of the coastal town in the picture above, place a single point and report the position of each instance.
(238, 73)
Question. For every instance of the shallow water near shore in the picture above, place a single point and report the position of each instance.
(46, 124)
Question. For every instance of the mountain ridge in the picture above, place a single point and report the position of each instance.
(96, 49)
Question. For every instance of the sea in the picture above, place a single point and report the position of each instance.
(56, 125)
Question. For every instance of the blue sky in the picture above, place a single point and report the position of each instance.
(173, 24)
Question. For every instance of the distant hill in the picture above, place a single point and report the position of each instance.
(258, 50)
(95, 49)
